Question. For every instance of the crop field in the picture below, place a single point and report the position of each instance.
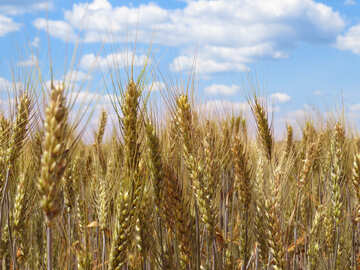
(180, 135)
(185, 191)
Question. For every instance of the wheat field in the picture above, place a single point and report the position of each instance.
(184, 192)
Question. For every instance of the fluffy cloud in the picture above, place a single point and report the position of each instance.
(77, 76)
(355, 107)
(59, 29)
(30, 62)
(280, 97)
(221, 106)
(14, 7)
(205, 64)
(35, 43)
(317, 92)
(7, 25)
(222, 89)
(156, 86)
(85, 97)
(231, 34)
(350, 2)
(4, 84)
(113, 60)
(350, 40)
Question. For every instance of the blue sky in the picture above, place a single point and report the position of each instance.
(303, 53)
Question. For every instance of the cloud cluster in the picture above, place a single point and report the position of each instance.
(9, 9)
(231, 34)
(280, 97)
(58, 29)
(355, 107)
(112, 60)
(350, 40)
(18, 7)
(222, 89)
(30, 62)
(220, 107)
(156, 86)
(349, 2)
(4, 84)
(7, 25)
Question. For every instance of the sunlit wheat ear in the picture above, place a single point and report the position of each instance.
(103, 190)
(5, 127)
(195, 168)
(334, 212)
(122, 234)
(19, 129)
(155, 162)
(99, 138)
(130, 125)
(101, 129)
(314, 243)
(19, 206)
(337, 171)
(356, 184)
(145, 226)
(307, 164)
(289, 140)
(177, 214)
(261, 218)
(263, 127)
(8, 157)
(184, 120)
(53, 160)
(243, 186)
(209, 182)
(128, 204)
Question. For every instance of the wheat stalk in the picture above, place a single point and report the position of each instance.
(53, 160)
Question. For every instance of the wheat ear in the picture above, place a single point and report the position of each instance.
(53, 160)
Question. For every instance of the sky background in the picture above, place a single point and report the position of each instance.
(301, 54)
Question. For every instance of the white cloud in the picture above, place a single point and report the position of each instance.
(350, 2)
(205, 65)
(280, 97)
(59, 29)
(13, 8)
(229, 34)
(87, 97)
(30, 62)
(4, 84)
(317, 92)
(350, 40)
(298, 115)
(77, 76)
(220, 106)
(355, 107)
(113, 60)
(156, 86)
(7, 25)
(35, 43)
(215, 89)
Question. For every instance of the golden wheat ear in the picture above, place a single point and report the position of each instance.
(129, 202)
(53, 160)
(263, 127)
